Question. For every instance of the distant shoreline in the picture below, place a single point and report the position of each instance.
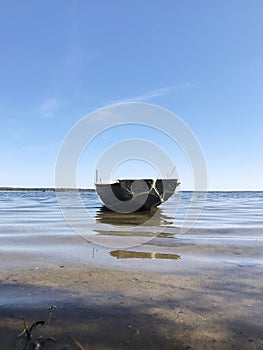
(53, 189)
(47, 189)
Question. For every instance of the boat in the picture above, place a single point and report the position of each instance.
(131, 195)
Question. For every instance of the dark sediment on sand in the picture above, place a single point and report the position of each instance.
(112, 308)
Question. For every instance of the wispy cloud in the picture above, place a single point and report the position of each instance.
(48, 108)
(157, 93)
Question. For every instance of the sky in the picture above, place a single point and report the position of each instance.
(201, 60)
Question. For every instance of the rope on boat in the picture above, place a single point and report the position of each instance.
(153, 187)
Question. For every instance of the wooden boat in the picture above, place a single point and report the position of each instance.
(129, 195)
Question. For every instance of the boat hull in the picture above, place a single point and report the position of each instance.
(130, 195)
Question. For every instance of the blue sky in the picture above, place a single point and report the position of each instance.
(202, 60)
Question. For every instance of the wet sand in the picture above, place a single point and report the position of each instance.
(205, 307)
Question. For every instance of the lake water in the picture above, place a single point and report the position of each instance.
(229, 230)
(196, 276)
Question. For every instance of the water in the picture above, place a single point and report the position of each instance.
(202, 283)
(229, 229)
(238, 211)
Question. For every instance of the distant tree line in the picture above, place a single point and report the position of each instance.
(47, 189)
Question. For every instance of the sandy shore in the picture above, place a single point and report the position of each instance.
(114, 308)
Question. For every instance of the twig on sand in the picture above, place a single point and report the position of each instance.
(27, 331)
(77, 343)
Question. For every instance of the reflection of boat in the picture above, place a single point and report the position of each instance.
(129, 254)
(154, 216)
(130, 195)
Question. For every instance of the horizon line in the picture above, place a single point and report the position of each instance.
(50, 188)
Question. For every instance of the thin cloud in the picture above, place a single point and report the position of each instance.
(48, 108)
(157, 93)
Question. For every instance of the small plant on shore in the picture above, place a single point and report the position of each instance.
(30, 341)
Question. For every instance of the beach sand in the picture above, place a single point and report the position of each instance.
(213, 307)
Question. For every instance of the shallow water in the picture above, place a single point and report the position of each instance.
(229, 229)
